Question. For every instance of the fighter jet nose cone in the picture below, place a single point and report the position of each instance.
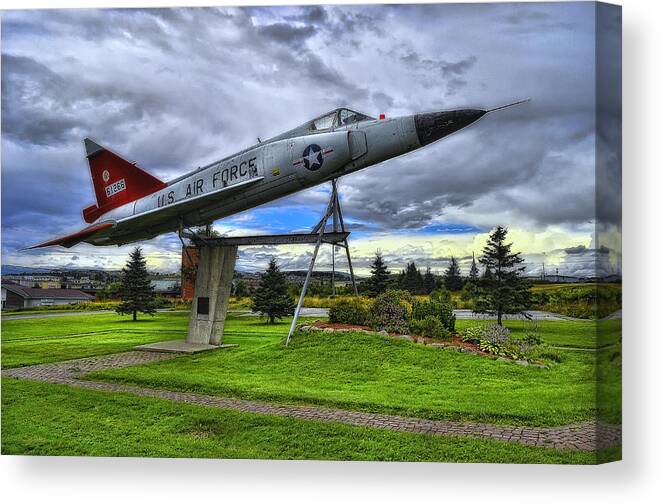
(433, 126)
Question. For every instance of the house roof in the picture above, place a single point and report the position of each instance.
(34, 293)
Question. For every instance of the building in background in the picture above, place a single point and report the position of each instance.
(190, 256)
(16, 297)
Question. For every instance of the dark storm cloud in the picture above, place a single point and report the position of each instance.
(286, 34)
(314, 14)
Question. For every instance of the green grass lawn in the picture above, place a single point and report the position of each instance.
(45, 419)
(373, 373)
(346, 370)
(41, 340)
(36, 341)
(575, 334)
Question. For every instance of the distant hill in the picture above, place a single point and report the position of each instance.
(10, 269)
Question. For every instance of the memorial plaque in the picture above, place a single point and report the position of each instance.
(203, 306)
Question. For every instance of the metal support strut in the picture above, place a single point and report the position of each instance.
(335, 212)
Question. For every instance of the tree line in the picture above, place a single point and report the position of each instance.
(500, 289)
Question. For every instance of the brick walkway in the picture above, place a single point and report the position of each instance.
(585, 436)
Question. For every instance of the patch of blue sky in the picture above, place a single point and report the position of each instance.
(275, 220)
(447, 228)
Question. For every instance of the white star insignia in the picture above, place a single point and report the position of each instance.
(313, 158)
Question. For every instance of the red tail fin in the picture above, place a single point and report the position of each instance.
(116, 181)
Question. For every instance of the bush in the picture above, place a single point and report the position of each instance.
(472, 334)
(436, 308)
(430, 326)
(443, 295)
(391, 311)
(581, 301)
(354, 311)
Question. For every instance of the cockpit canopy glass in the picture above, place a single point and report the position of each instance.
(338, 118)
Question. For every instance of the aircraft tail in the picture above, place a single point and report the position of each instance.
(116, 181)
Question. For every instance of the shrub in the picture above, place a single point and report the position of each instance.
(435, 308)
(472, 334)
(443, 295)
(430, 326)
(390, 311)
(582, 301)
(354, 311)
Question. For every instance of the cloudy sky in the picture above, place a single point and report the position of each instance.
(174, 89)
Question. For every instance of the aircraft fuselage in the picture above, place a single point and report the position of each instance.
(273, 169)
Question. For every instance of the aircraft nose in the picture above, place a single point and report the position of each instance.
(433, 126)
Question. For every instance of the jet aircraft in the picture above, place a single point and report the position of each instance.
(132, 205)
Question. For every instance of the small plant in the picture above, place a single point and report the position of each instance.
(544, 352)
(495, 339)
(430, 326)
(517, 349)
(391, 311)
(532, 329)
(472, 334)
(354, 311)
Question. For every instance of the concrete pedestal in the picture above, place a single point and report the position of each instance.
(213, 285)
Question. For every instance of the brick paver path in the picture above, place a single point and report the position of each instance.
(586, 436)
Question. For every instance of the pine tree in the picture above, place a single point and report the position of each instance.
(411, 279)
(429, 281)
(271, 298)
(380, 276)
(241, 288)
(474, 274)
(452, 277)
(136, 293)
(503, 288)
(470, 290)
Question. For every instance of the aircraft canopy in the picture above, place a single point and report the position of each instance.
(335, 119)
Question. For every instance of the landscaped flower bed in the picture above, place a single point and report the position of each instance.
(454, 343)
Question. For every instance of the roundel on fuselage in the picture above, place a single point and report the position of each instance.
(313, 157)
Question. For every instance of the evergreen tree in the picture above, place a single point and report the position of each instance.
(503, 288)
(380, 276)
(452, 277)
(271, 298)
(136, 293)
(411, 279)
(429, 281)
(241, 288)
(474, 274)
